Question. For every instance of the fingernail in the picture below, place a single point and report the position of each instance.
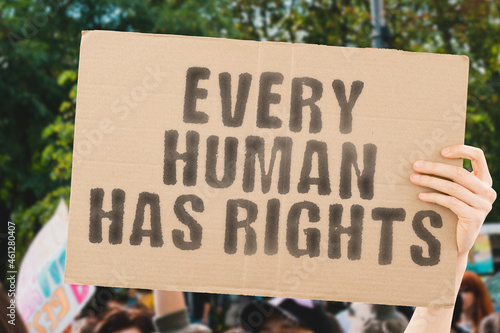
(446, 151)
(422, 194)
(415, 176)
(418, 164)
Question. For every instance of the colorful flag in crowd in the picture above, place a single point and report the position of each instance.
(44, 302)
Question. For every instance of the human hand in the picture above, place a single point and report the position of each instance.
(468, 194)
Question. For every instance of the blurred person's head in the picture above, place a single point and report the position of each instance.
(286, 315)
(476, 300)
(121, 321)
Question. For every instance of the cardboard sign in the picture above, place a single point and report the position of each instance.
(262, 168)
(45, 303)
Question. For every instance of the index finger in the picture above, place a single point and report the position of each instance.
(476, 155)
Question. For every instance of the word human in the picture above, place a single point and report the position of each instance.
(254, 160)
(181, 164)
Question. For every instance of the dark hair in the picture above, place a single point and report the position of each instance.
(483, 306)
(336, 326)
(457, 311)
(305, 313)
(118, 320)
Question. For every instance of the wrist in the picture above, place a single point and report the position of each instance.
(461, 267)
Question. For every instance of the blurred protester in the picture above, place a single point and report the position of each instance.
(386, 320)
(288, 315)
(292, 315)
(122, 321)
(132, 297)
(490, 324)
(361, 317)
(172, 315)
(476, 302)
(343, 317)
(146, 299)
(116, 309)
(138, 298)
(198, 307)
(233, 304)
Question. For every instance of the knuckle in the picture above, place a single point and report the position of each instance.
(488, 192)
(484, 215)
(453, 187)
(452, 201)
(478, 152)
(461, 173)
(489, 207)
(492, 195)
(484, 206)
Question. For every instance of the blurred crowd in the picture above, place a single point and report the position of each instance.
(116, 310)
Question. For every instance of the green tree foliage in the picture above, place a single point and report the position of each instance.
(39, 45)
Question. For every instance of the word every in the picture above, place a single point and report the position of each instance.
(266, 98)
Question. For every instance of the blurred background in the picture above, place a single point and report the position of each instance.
(39, 48)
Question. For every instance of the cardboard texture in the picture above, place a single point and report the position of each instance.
(172, 134)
